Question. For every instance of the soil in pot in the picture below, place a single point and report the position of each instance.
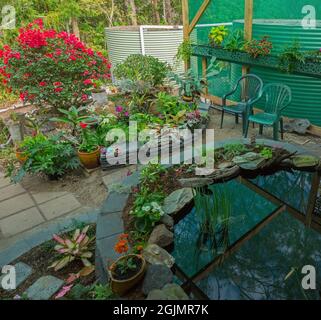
(131, 273)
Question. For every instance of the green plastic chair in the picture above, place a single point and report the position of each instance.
(251, 86)
(277, 98)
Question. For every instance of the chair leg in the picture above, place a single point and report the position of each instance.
(261, 129)
(282, 128)
(237, 119)
(222, 119)
(246, 132)
(276, 131)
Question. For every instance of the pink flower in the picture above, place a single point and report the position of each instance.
(42, 84)
(63, 291)
(119, 109)
(84, 97)
(58, 89)
(57, 84)
(83, 125)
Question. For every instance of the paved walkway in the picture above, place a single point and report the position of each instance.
(21, 210)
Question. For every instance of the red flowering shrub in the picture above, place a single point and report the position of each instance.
(50, 68)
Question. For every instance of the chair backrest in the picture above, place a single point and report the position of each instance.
(277, 97)
(251, 86)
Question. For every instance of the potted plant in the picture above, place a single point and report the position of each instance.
(128, 270)
(50, 156)
(217, 35)
(89, 150)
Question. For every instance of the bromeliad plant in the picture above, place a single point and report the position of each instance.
(78, 247)
(52, 68)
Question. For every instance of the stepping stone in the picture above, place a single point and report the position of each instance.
(23, 271)
(44, 288)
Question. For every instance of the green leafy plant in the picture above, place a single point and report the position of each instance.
(234, 149)
(139, 67)
(267, 153)
(89, 139)
(217, 35)
(78, 247)
(290, 57)
(259, 48)
(50, 156)
(125, 265)
(73, 116)
(102, 292)
(235, 41)
(184, 51)
(214, 213)
(190, 84)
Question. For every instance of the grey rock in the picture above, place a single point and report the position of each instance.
(23, 271)
(168, 221)
(154, 254)
(305, 161)
(175, 292)
(169, 292)
(299, 126)
(226, 165)
(100, 98)
(44, 288)
(161, 236)
(156, 277)
(177, 200)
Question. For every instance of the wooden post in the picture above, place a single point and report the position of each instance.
(204, 69)
(186, 33)
(248, 26)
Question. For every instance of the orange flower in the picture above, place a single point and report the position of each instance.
(140, 248)
(121, 246)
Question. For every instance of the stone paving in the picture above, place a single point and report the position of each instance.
(21, 210)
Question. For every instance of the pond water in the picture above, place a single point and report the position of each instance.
(258, 268)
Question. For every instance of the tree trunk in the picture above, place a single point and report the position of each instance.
(75, 27)
(156, 12)
(168, 10)
(133, 12)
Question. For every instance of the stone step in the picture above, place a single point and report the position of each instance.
(44, 288)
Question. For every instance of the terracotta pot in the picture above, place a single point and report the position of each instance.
(121, 287)
(90, 160)
(22, 158)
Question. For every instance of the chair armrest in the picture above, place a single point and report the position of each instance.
(227, 95)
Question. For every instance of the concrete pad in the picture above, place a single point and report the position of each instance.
(16, 204)
(60, 206)
(42, 197)
(11, 191)
(4, 181)
(20, 222)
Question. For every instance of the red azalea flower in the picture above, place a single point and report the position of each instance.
(57, 84)
(83, 125)
(58, 89)
(84, 97)
(88, 82)
(42, 84)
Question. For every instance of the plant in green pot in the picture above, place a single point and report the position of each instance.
(127, 271)
(89, 150)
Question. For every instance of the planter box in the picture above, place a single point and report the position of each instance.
(310, 68)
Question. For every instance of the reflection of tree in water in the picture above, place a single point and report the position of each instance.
(259, 268)
(248, 209)
(291, 188)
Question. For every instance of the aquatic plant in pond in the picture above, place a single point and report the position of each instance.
(214, 210)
